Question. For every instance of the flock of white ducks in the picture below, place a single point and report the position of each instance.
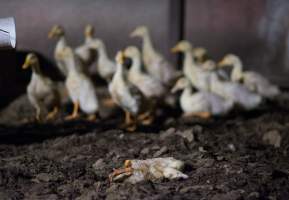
(207, 90)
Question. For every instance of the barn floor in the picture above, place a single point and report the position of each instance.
(240, 156)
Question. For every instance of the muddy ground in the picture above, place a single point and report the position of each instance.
(240, 156)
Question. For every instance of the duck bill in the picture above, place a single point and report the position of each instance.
(134, 34)
(25, 65)
(50, 35)
(221, 64)
(174, 89)
(175, 49)
(121, 58)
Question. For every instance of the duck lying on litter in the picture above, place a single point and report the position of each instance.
(232, 90)
(252, 80)
(135, 171)
(79, 86)
(41, 91)
(57, 32)
(147, 84)
(194, 72)
(202, 103)
(84, 52)
(105, 67)
(128, 96)
(155, 64)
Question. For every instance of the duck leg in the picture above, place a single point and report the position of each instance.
(117, 173)
(127, 171)
(52, 114)
(130, 122)
(74, 114)
(38, 114)
(128, 119)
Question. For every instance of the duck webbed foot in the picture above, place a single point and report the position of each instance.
(131, 127)
(203, 115)
(146, 118)
(93, 117)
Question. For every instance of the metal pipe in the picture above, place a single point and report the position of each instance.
(7, 33)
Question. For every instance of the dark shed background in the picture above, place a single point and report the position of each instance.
(256, 30)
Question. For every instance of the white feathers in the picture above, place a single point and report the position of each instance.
(152, 169)
(80, 87)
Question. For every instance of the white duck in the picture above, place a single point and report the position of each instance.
(79, 86)
(232, 90)
(155, 64)
(127, 96)
(105, 67)
(198, 76)
(252, 80)
(148, 85)
(84, 52)
(201, 104)
(57, 32)
(135, 171)
(41, 91)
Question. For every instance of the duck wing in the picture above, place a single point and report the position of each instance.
(88, 100)
(258, 83)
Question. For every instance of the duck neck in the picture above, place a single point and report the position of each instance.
(36, 69)
(136, 64)
(237, 72)
(71, 64)
(119, 74)
(102, 53)
(88, 38)
(188, 59)
(147, 45)
(61, 42)
(186, 93)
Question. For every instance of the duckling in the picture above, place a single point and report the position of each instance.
(105, 67)
(233, 91)
(201, 104)
(79, 86)
(194, 72)
(84, 52)
(252, 80)
(41, 91)
(135, 171)
(57, 32)
(147, 84)
(155, 64)
(128, 97)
